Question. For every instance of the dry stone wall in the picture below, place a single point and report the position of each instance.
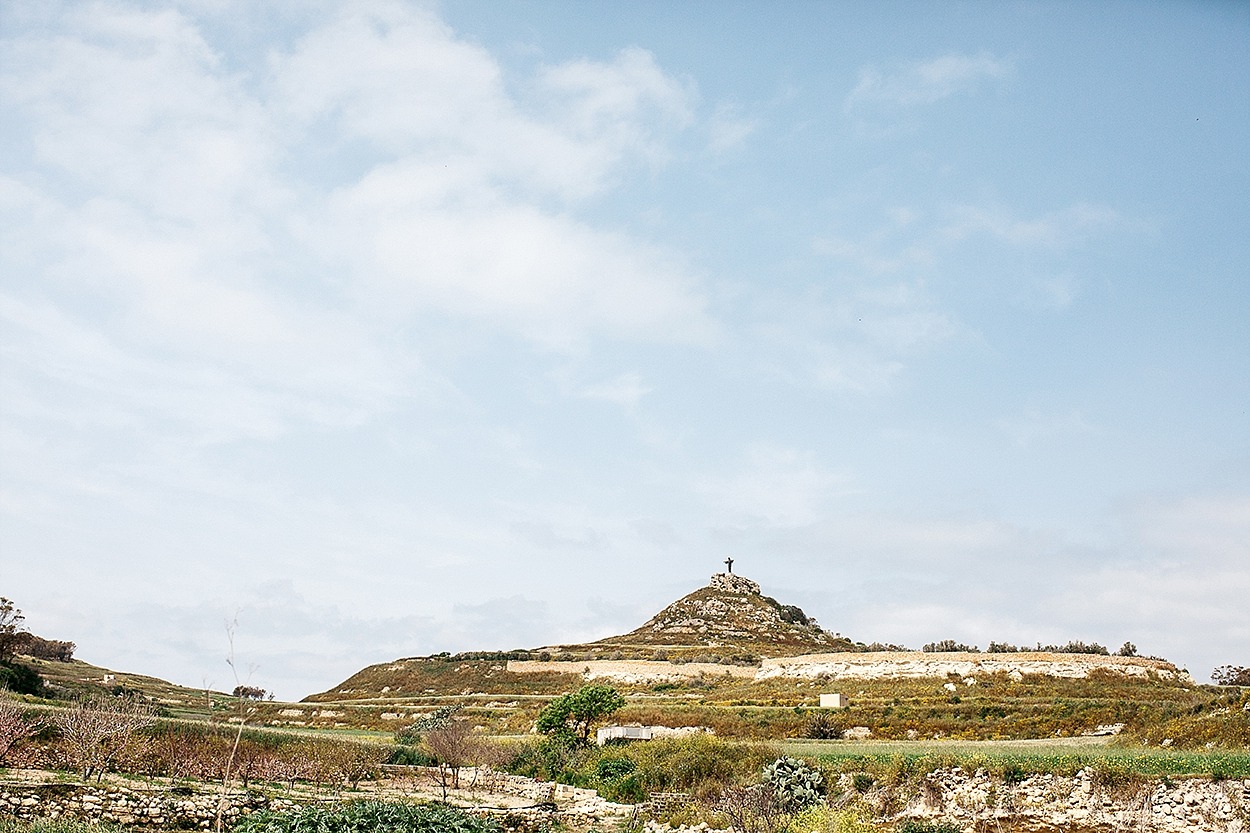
(978, 800)
(168, 809)
(972, 800)
(894, 664)
(865, 666)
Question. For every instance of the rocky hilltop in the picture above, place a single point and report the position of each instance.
(730, 612)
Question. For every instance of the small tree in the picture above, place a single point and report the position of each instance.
(1128, 649)
(750, 809)
(453, 746)
(11, 631)
(14, 726)
(350, 763)
(1231, 675)
(94, 731)
(248, 692)
(570, 717)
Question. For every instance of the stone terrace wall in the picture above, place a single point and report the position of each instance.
(540, 804)
(632, 671)
(887, 664)
(180, 809)
(866, 666)
(1051, 802)
(973, 800)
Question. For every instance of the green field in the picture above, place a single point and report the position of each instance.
(1021, 757)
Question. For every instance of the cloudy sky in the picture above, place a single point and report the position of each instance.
(388, 328)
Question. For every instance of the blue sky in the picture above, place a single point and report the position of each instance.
(393, 328)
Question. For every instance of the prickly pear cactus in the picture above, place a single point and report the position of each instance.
(796, 783)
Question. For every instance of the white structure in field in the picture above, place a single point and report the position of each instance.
(608, 733)
(832, 701)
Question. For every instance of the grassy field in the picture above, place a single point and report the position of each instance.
(1023, 757)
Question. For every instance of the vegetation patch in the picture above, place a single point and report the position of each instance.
(365, 817)
(1014, 763)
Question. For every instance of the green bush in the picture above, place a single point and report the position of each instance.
(20, 679)
(699, 764)
(411, 756)
(611, 769)
(826, 819)
(366, 817)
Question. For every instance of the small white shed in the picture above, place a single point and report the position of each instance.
(832, 701)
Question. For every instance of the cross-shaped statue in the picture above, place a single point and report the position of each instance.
(729, 562)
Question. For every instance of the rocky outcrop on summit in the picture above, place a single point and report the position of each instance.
(732, 612)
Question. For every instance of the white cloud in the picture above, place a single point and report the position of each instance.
(1034, 425)
(1055, 229)
(626, 390)
(775, 486)
(200, 217)
(924, 82)
(729, 129)
(860, 340)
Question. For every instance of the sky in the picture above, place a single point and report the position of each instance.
(332, 333)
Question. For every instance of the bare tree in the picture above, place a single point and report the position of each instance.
(453, 745)
(244, 711)
(352, 762)
(11, 631)
(94, 731)
(291, 763)
(751, 809)
(14, 726)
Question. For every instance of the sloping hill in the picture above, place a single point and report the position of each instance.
(730, 612)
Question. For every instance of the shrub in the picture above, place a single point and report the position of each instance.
(411, 756)
(1076, 646)
(373, 816)
(947, 645)
(823, 726)
(862, 782)
(821, 817)
(20, 679)
(612, 769)
(1231, 675)
(1013, 773)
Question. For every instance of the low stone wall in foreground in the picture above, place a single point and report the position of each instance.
(976, 801)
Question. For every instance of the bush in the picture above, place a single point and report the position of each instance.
(612, 769)
(411, 756)
(1013, 773)
(1076, 646)
(948, 645)
(823, 726)
(1231, 675)
(821, 817)
(20, 679)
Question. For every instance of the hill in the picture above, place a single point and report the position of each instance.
(730, 616)
(729, 657)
